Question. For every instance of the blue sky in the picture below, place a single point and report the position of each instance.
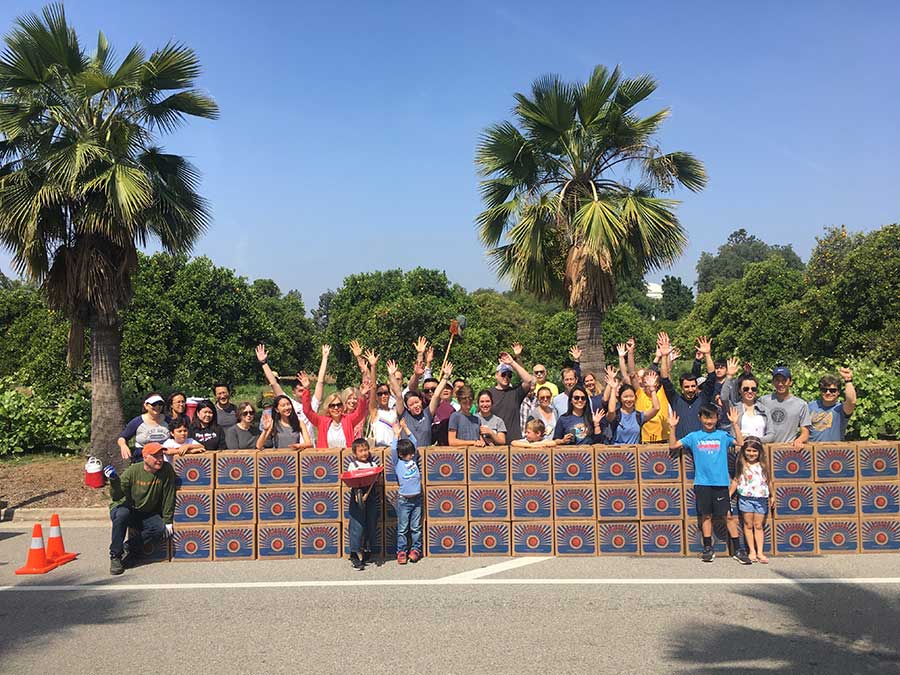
(348, 130)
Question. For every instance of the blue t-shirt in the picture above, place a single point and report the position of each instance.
(710, 451)
(828, 423)
(583, 433)
(628, 427)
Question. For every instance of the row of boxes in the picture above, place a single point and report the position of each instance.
(869, 461)
(527, 502)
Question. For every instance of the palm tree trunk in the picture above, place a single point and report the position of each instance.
(589, 335)
(106, 391)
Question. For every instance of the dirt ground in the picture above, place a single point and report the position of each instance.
(52, 481)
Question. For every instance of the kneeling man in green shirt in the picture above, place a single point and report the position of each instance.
(143, 497)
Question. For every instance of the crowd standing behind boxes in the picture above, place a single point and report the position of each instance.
(519, 469)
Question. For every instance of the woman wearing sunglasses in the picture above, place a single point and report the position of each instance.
(244, 434)
(579, 426)
(545, 412)
(743, 392)
(148, 427)
(335, 426)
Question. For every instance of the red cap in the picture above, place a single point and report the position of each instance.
(151, 449)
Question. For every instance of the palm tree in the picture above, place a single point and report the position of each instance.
(571, 194)
(82, 183)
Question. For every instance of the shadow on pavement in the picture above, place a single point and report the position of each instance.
(35, 619)
(827, 628)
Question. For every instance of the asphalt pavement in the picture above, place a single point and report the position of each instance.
(835, 614)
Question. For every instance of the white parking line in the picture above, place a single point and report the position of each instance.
(487, 571)
(450, 581)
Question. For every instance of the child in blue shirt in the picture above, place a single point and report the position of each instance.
(405, 455)
(712, 480)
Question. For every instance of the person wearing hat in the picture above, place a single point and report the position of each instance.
(143, 498)
(786, 413)
(506, 398)
(148, 427)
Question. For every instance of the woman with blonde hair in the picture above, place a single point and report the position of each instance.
(337, 424)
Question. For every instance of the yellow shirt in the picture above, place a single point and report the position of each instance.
(657, 429)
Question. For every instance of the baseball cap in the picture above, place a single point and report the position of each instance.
(504, 368)
(784, 371)
(154, 398)
(151, 449)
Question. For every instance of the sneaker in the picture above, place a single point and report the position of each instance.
(401, 557)
(414, 556)
(115, 566)
(742, 557)
(356, 562)
(708, 555)
(367, 557)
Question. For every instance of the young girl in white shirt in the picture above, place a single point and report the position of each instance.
(751, 481)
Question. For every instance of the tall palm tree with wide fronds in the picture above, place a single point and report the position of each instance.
(571, 194)
(82, 183)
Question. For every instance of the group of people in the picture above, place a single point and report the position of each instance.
(623, 405)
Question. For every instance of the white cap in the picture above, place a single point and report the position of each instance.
(154, 398)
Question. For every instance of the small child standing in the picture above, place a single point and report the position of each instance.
(179, 443)
(751, 481)
(712, 484)
(363, 519)
(405, 456)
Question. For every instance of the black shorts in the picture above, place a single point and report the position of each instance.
(712, 500)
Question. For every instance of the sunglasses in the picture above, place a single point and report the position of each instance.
(335, 405)
(748, 389)
(579, 398)
(505, 374)
(539, 372)
(544, 398)
(157, 405)
(829, 390)
(383, 393)
(430, 390)
(247, 413)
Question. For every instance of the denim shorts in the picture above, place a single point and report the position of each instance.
(753, 504)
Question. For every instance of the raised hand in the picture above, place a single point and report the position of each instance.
(517, 348)
(371, 357)
(651, 379)
(748, 367)
(420, 344)
(365, 387)
(621, 349)
(673, 419)
(575, 353)
(733, 415)
(391, 367)
(663, 344)
(261, 354)
(397, 429)
(326, 350)
(506, 358)
(356, 348)
(429, 355)
(418, 369)
(630, 344)
(448, 370)
(598, 415)
(611, 373)
(846, 374)
(704, 345)
(266, 423)
(731, 366)
(675, 354)
(304, 379)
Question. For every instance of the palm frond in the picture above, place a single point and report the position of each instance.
(175, 66)
(676, 167)
(171, 112)
(595, 95)
(634, 90)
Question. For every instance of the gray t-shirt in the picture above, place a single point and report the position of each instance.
(227, 416)
(419, 426)
(237, 438)
(494, 423)
(785, 418)
(284, 436)
(465, 426)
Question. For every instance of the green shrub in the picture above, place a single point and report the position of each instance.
(30, 422)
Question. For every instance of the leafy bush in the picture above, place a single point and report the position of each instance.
(30, 422)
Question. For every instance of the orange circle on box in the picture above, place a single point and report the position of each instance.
(795, 540)
(530, 470)
(880, 501)
(662, 541)
(234, 509)
(277, 472)
(881, 538)
(192, 474)
(879, 465)
(235, 473)
(277, 544)
(532, 541)
(618, 541)
(234, 546)
(573, 469)
(576, 542)
(447, 542)
(838, 539)
(487, 470)
(490, 541)
(445, 470)
(616, 469)
(836, 466)
(191, 547)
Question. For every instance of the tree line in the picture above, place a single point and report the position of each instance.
(191, 323)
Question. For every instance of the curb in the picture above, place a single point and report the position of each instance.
(94, 513)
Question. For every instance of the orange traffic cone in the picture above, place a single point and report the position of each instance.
(56, 550)
(37, 562)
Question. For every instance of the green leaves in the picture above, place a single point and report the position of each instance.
(577, 146)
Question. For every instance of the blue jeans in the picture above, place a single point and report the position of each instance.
(409, 523)
(150, 525)
(364, 523)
